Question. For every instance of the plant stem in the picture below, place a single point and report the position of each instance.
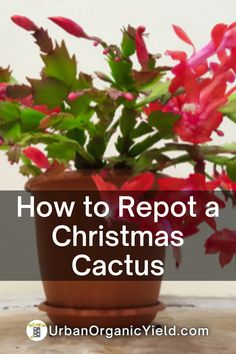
(205, 150)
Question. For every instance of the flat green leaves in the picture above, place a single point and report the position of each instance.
(65, 143)
(59, 75)
(230, 108)
(141, 129)
(60, 121)
(15, 119)
(144, 145)
(127, 122)
(11, 132)
(155, 90)
(145, 161)
(9, 112)
(30, 119)
(59, 64)
(121, 73)
(231, 169)
(62, 151)
(96, 147)
(164, 122)
(128, 42)
(49, 91)
(66, 122)
(217, 159)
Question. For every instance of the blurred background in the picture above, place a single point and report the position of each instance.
(105, 18)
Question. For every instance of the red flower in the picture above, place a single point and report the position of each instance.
(196, 185)
(24, 23)
(3, 91)
(37, 157)
(155, 106)
(103, 185)
(28, 102)
(223, 39)
(224, 243)
(183, 35)
(142, 182)
(141, 49)
(108, 190)
(195, 182)
(197, 106)
(225, 182)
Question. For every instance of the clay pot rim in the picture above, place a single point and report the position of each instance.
(41, 181)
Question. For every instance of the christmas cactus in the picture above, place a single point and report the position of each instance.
(68, 119)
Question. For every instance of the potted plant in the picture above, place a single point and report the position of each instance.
(145, 112)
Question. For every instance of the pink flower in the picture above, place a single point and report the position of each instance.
(224, 243)
(223, 39)
(141, 49)
(24, 23)
(37, 157)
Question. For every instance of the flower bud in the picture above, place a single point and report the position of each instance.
(24, 23)
(37, 157)
(70, 26)
(14, 154)
(74, 95)
(141, 49)
(102, 76)
(128, 96)
(106, 51)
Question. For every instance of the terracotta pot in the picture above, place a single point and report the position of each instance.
(85, 303)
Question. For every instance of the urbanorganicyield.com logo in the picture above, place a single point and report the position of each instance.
(36, 330)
